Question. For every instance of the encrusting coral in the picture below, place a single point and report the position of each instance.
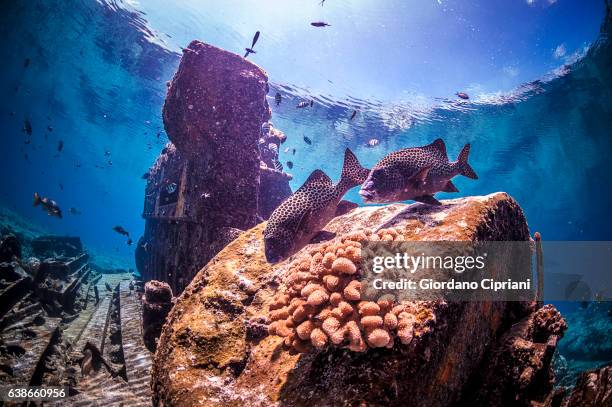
(321, 302)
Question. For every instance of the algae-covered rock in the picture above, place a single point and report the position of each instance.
(215, 349)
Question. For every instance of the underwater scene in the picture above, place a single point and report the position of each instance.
(194, 194)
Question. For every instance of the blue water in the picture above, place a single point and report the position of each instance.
(96, 74)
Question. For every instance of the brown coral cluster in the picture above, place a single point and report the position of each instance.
(548, 321)
(321, 304)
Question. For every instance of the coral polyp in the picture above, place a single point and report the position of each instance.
(321, 302)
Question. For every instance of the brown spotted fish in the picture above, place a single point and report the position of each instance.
(415, 173)
(304, 214)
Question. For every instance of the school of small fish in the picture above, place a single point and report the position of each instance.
(415, 173)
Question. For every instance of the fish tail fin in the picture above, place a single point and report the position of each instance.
(36, 199)
(353, 173)
(465, 168)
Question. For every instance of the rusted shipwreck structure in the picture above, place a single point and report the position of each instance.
(212, 181)
(63, 323)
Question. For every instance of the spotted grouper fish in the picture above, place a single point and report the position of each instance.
(415, 173)
(304, 214)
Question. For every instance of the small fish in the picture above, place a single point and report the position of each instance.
(60, 146)
(321, 3)
(307, 140)
(415, 173)
(74, 211)
(293, 151)
(108, 286)
(463, 95)
(372, 143)
(278, 98)
(320, 24)
(48, 205)
(286, 150)
(250, 50)
(289, 164)
(107, 153)
(121, 231)
(129, 241)
(304, 214)
(26, 62)
(61, 186)
(27, 127)
(304, 104)
(146, 175)
(353, 115)
(49, 128)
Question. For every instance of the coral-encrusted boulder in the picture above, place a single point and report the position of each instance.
(215, 347)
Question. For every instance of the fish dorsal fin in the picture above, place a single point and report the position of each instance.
(317, 178)
(439, 145)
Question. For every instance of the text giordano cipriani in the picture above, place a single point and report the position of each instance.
(404, 262)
